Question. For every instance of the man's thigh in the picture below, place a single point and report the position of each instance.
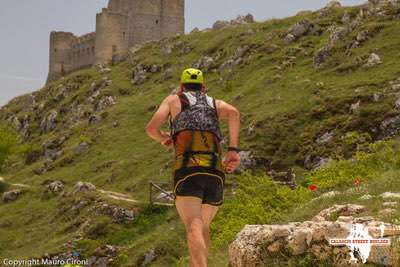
(208, 213)
(189, 209)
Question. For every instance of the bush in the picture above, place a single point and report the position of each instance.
(8, 143)
(257, 200)
(364, 166)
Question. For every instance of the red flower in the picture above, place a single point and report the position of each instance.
(312, 187)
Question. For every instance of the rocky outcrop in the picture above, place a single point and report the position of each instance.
(49, 123)
(373, 60)
(256, 244)
(11, 196)
(55, 186)
(298, 30)
(249, 18)
(103, 256)
(83, 187)
(117, 213)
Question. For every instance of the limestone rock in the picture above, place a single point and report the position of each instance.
(81, 148)
(249, 18)
(247, 160)
(390, 204)
(390, 195)
(195, 30)
(339, 210)
(83, 187)
(149, 257)
(333, 4)
(289, 38)
(373, 60)
(11, 196)
(118, 214)
(389, 127)
(300, 29)
(49, 123)
(346, 17)
(219, 24)
(322, 56)
(205, 63)
(355, 107)
(326, 137)
(366, 197)
(139, 75)
(55, 186)
(255, 244)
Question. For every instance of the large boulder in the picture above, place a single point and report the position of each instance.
(255, 245)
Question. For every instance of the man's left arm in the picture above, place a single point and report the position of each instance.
(158, 119)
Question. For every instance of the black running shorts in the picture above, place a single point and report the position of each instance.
(207, 186)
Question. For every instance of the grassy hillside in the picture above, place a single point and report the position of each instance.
(294, 114)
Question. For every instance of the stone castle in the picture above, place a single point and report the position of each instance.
(123, 24)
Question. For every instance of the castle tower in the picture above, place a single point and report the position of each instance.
(111, 35)
(155, 19)
(60, 54)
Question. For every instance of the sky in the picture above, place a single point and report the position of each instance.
(25, 26)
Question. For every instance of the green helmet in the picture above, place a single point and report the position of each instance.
(192, 76)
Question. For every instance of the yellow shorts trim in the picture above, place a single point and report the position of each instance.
(194, 174)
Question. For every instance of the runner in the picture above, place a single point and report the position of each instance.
(199, 170)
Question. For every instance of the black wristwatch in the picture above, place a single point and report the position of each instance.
(231, 148)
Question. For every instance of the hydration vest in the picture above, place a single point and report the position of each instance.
(198, 113)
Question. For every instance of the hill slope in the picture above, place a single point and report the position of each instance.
(317, 87)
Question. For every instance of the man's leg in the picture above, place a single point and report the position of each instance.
(208, 213)
(189, 209)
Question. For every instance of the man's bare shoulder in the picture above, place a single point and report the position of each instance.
(171, 98)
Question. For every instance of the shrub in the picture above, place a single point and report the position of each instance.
(8, 143)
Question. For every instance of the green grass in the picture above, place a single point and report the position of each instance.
(289, 107)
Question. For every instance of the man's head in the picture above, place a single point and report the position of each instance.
(192, 79)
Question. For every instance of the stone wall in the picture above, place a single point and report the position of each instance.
(83, 51)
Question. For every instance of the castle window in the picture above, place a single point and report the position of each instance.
(92, 49)
(157, 21)
(55, 50)
(123, 35)
(114, 48)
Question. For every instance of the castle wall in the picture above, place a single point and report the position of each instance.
(60, 54)
(111, 36)
(83, 51)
